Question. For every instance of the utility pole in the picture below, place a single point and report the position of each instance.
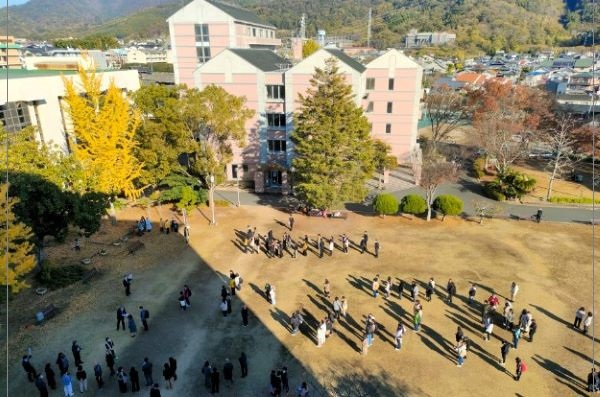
(369, 27)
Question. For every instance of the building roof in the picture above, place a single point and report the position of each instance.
(239, 13)
(470, 78)
(354, 64)
(265, 60)
(10, 46)
(25, 73)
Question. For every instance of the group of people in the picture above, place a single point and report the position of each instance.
(275, 248)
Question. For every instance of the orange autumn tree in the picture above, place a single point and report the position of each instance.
(103, 134)
(21, 260)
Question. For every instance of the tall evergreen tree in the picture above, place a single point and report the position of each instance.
(19, 251)
(334, 153)
(103, 138)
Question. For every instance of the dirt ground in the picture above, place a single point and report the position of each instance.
(550, 262)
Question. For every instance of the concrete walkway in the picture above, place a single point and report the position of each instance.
(468, 189)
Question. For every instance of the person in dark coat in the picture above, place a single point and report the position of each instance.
(28, 367)
(50, 376)
(243, 364)
(41, 386)
(76, 349)
(134, 378)
(207, 372)
(98, 375)
(173, 366)
(147, 370)
(285, 384)
(275, 384)
(63, 363)
(121, 317)
(401, 287)
(228, 370)
(168, 375)
(214, 381)
(155, 391)
(245, 315)
(122, 380)
(110, 362)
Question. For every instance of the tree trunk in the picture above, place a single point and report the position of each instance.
(552, 177)
(113, 213)
(428, 210)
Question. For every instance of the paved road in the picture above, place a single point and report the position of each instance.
(467, 189)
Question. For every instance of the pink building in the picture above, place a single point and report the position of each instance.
(203, 28)
(388, 88)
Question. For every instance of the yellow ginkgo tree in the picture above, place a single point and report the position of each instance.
(20, 259)
(103, 133)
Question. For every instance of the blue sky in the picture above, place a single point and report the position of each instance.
(12, 2)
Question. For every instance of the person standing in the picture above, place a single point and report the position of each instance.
(587, 322)
(131, 325)
(168, 375)
(344, 306)
(67, 382)
(76, 349)
(147, 371)
(514, 290)
(223, 307)
(488, 328)
(321, 333)
(337, 307)
(472, 293)
(320, 245)
(207, 372)
(429, 291)
(532, 329)
(331, 246)
(593, 381)
(451, 289)
(365, 243)
(41, 386)
(173, 366)
(63, 363)
(214, 381)
(345, 243)
(579, 315)
(243, 364)
(387, 287)
(521, 367)
(417, 320)
(121, 313)
(291, 222)
(401, 286)
(296, 321)
(400, 331)
(110, 362)
(377, 246)
(28, 367)
(275, 381)
(285, 384)
(122, 380)
(538, 215)
(326, 288)
(375, 287)
(144, 314)
(516, 336)
(504, 349)
(414, 292)
(459, 335)
(81, 376)
(244, 312)
(109, 346)
(461, 353)
(127, 284)
(98, 375)
(228, 371)
(272, 295)
(155, 391)
(50, 376)
(370, 328)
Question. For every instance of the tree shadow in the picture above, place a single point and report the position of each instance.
(562, 374)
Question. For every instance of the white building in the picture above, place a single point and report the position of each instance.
(35, 98)
(145, 55)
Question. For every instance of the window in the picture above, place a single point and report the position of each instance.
(14, 116)
(389, 107)
(201, 33)
(234, 171)
(254, 32)
(388, 128)
(369, 107)
(276, 145)
(203, 54)
(390, 84)
(276, 120)
(276, 92)
(245, 167)
(370, 83)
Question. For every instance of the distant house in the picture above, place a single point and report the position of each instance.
(425, 39)
(583, 82)
(471, 79)
(536, 77)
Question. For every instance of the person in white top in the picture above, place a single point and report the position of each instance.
(272, 295)
(400, 331)
(587, 322)
(514, 289)
(321, 333)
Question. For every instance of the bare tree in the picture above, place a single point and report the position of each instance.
(559, 136)
(485, 209)
(436, 171)
(446, 109)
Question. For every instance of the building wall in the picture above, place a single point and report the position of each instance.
(43, 97)
(9, 53)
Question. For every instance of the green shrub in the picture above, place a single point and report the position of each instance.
(510, 185)
(573, 200)
(413, 204)
(222, 203)
(448, 204)
(492, 190)
(55, 277)
(386, 204)
(479, 167)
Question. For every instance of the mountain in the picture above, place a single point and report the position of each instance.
(39, 18)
